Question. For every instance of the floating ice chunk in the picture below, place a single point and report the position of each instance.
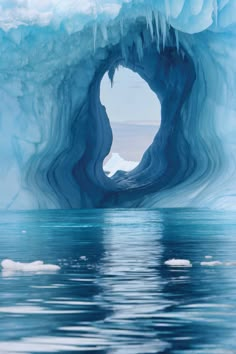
(37, 266)
(23, 231)
(208, 257)
(83, 258)
(230, 264)
(178, 263)
(211, 264)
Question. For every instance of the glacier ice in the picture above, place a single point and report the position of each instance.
(55, 133)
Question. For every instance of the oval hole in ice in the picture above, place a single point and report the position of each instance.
(134, 112)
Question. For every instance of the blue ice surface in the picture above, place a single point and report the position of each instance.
(55, 133)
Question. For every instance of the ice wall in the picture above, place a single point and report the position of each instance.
(55, 133)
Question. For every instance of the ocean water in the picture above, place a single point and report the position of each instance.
(114, 294)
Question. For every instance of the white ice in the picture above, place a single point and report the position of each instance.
(117, 163)
(37, 266)
(178, 263)
(17, 12)
(211, 264)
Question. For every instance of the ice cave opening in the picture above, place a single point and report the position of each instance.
(134, 112)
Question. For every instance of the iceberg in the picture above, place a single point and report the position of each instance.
(55, 133)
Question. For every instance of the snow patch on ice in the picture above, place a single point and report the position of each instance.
(24, 12)
(178, 263)
(117, 163)
(37, 266)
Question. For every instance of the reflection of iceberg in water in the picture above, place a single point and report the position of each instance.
(55, 133)
(131, 282)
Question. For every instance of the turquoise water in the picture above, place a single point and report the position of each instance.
(114, 294)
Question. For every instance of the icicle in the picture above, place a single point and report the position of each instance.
(121, 27)
(139, 47)
(163, 26)
(111, 74)
(95, 28)
(149, 20)
(177, 40)
(124, 51)
(215, 9)
(182, 53)
(104, 31)
(147, 39)
(167, 7)
(156, 20)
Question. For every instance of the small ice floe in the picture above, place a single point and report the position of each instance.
(230, 264)
(178, 263)
(37, 266)
(211, 264)
(23, 231)
(208, 257)
(83, 258)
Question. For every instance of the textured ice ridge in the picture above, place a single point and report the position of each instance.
(55, 133)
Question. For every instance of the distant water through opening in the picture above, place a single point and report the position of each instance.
(134, 112)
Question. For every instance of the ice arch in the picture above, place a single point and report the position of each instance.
(55, 133)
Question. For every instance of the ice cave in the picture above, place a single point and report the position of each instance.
(55, 133)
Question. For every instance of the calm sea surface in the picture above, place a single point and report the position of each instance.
(114, 294)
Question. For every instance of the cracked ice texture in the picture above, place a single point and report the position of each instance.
(55, 133)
